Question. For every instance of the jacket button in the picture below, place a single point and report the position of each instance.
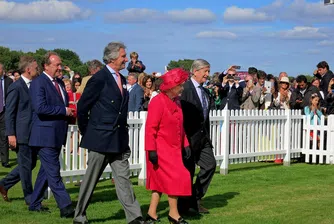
(120, 113)
(112, 101)
(118, 126)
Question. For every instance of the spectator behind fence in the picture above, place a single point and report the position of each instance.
(282, 100)
(196, 103)
(329, 98)
(231, 91)
(73, 98)
(324, 74)
(18, 124)
(48, 134)
(135, 65)
(102, 120)
(17, 75)
(301, 96)
(148, 89)
(136, 93)
(93, 67)
(165, 142)
(251, 95)
(140, 78)
(157, 83)
(5, 82)
(316, 82)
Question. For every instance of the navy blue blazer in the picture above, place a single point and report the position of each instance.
(102, 114)
(233, 97)
(49, 122)
(18, 111)
(136, 98)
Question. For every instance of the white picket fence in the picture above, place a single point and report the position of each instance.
(319, 148)
(238, 136)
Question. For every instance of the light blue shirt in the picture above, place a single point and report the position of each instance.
(112, 71)
(198, 89)
(3, 90)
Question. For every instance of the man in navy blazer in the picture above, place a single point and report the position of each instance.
(136, 93)
(102, 120)
(18, 123)
(48, 133)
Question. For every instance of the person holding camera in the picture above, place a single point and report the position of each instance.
(231, 91)
(251, 95)
(135, 65)
(330, 98)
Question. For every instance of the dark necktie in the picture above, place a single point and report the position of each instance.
(204, 102)
(1, 96)
(57, 87)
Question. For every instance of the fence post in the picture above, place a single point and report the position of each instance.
(287, 138)
(142, 157)
(330, 138)
(225, 144)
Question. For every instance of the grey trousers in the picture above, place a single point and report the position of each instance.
(119, 164)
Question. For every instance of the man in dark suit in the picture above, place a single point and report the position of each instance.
(48, 133)
(18, 123)
(230, 92)
(324, 74)
(102, 120)
(136, 93)
(196, 102)
(4, 84)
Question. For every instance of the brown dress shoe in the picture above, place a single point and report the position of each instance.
(201, 209)
(3, 192)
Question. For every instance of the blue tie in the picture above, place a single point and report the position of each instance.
(204, 102)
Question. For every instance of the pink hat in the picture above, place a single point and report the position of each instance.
(173, 78)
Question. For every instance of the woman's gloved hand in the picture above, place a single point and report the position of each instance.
(153, 157)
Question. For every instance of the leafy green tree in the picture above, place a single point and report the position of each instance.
(185, 64)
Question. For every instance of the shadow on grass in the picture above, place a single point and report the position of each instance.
(255, 167)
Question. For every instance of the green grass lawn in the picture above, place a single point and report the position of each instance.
(250, 193)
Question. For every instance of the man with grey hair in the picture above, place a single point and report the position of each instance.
(196, 103)
(102, 120)
(4, 84)
(93, 67)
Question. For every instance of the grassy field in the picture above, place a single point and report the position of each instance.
(250, 193)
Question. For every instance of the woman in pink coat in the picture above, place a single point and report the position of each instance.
(164, 141)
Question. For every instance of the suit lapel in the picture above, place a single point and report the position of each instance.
(24, 85)
(52, 87)
(196, 97)
(113, 81)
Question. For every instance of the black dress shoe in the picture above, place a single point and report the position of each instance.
(150, 220)
(6, 165)
(67, 212)
(138, 220)
(42, 210)
(201, 209)
(179, 221)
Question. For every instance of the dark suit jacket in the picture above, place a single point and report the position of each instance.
(18, 111)
(7, 83)
(136, 98)
(196, 127)
(324, 81)
(49, 122)
(233, 97)
(102, 114)
(136, 69)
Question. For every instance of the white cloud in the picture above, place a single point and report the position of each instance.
(191, 15)
(303, 32)
(216, 34)
(313, 51)
(45, 11)
(235, 14)
(142, 15)
(325, 43)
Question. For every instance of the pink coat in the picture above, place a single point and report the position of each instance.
(164, 133)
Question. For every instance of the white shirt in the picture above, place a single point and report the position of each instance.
(112, 71)
(61, 89)
(26, 80)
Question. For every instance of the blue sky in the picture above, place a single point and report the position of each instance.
(272, 35)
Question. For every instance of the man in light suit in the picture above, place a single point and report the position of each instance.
(48, 133)
(102, 120)
(136, 93)
(93, 67)
(18, 123)
(196, 103)
(4, 84)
